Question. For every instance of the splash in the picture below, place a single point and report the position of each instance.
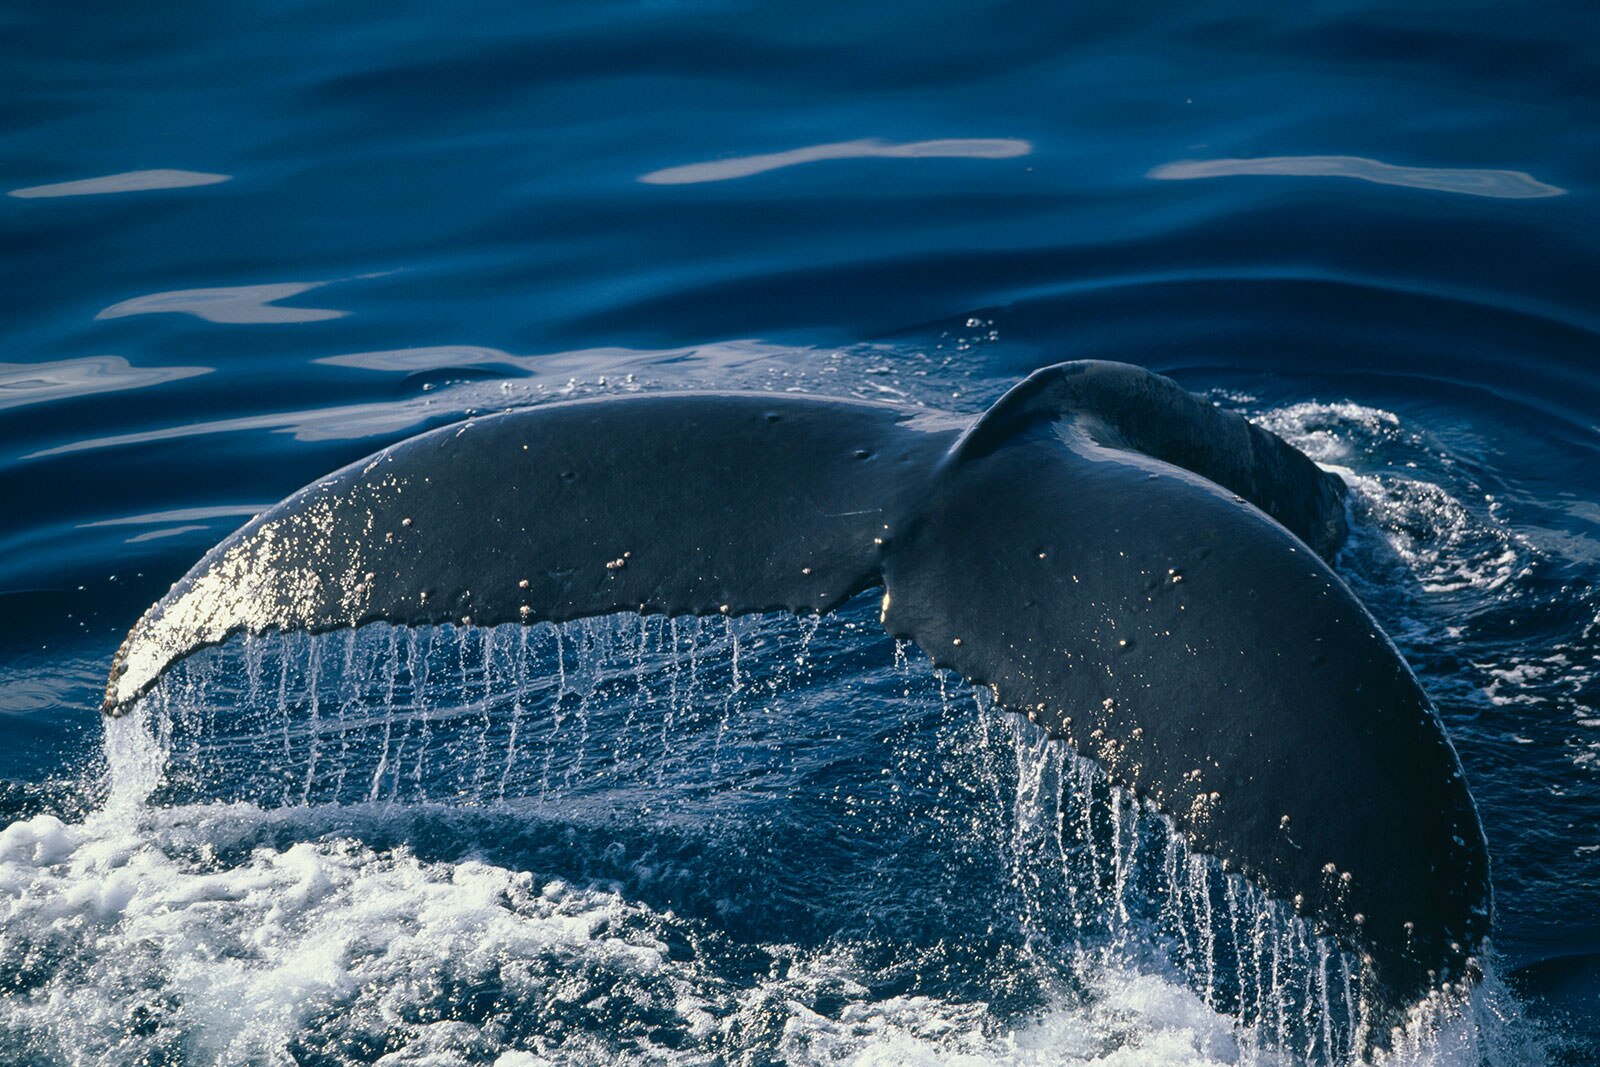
(640, 839)
(1446, 531)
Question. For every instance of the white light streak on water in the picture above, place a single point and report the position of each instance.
(133, 181)
(721, 170)
(1501, 184)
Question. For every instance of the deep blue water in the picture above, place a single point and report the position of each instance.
(1374, 228)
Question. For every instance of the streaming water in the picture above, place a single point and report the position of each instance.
(646, 839)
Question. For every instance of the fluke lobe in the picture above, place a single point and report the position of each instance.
(1130, 567)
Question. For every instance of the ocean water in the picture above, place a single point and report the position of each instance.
(244, 247)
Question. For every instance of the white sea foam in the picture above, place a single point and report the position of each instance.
(1429, 534)
(348, 924)
(158, 946)
(1445, 529)
(186, 934)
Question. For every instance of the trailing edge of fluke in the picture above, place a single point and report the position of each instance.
(1135, 570)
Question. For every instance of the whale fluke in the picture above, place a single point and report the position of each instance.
(1126, 407)
(1136, 570)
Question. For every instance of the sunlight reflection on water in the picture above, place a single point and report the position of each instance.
(869, 148)
(38, 383)
(1501, 184)
(238, 304)
(133, 181)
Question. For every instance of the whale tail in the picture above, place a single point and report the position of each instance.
(1124, 407)
(1133, 568)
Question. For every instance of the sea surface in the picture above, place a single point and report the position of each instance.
(243, 245)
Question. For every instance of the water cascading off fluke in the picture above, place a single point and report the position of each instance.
(1116, 559)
